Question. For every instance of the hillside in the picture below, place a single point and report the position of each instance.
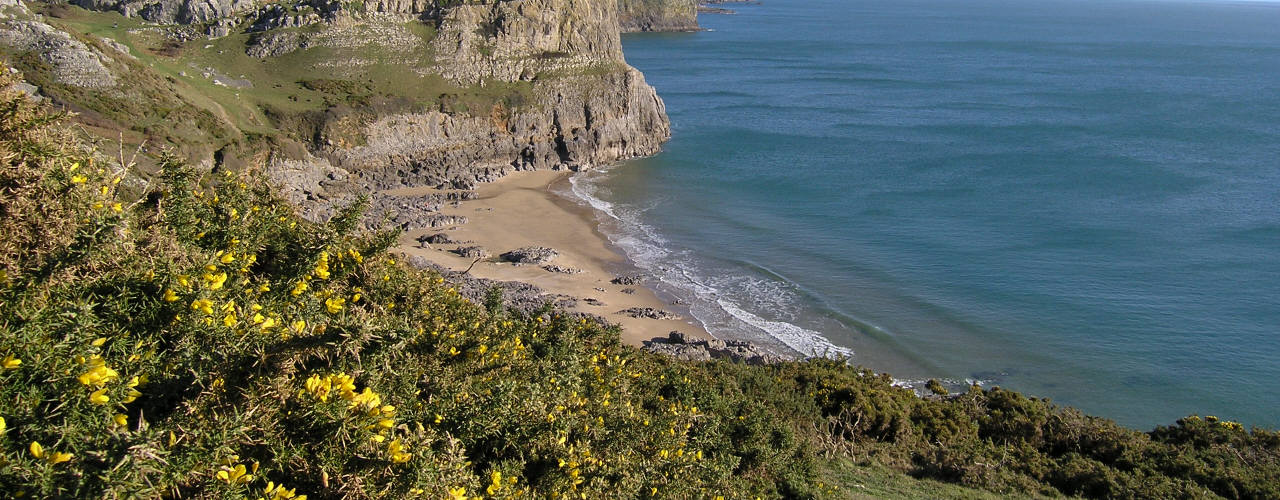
(187, 335)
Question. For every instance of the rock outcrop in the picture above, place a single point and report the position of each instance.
(684, 347)
(71, 62)
(172, 11)
(658, 15)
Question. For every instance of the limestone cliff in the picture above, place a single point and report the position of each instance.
(658, 15)
(339, 98)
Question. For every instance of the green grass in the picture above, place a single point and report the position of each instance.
(871, 481)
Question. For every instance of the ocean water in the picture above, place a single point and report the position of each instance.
(1075, 199)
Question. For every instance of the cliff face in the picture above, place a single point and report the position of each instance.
(356, 97)
(658, 15)
(604, 113)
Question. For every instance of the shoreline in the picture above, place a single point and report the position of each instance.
(523, 209)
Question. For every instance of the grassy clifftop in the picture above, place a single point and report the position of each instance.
(189, 336)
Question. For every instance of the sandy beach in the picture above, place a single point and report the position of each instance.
(521, 210)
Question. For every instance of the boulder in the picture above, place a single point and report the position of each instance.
(530, 255)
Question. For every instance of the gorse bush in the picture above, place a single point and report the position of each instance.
(186, 335)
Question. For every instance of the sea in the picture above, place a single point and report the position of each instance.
(1076, 199)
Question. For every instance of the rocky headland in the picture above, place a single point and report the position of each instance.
(658, 15)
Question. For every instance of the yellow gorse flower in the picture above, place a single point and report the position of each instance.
(398, 452)
(203, 305)
(322, 267)
(279, 492)
(234, 475)
(334, 305)
(319, 387)
(11, 363)
(133, 392)
(496, 484)
(215, 280)
(55, 458)
(99, 397)
(99, 374)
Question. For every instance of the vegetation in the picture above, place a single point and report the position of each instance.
(187, 336)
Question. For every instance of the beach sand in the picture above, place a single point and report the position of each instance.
(521, 210)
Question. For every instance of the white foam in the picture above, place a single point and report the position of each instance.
(705, 294)
(803, 340)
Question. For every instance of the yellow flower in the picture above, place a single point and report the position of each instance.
(458, 493)
(99, 397)
(367, 399)
(58, 457)
(230, 319)
(344, 384)
(268, 323)
(319, 387)
(78, 179)
(496, 484)
(215, 280)
(299, 326)
(334, 305)
(117, 207)
(120, 420)
(2, 425)
(11, 363)
(398, 452)
(227, 258)
(184, 280)
(99, 373)
(234, 475)
(36, 450)
(298, 288)
(279, 492)
(322, 267)
(203, 305)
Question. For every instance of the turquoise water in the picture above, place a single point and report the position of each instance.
(1076, 199)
